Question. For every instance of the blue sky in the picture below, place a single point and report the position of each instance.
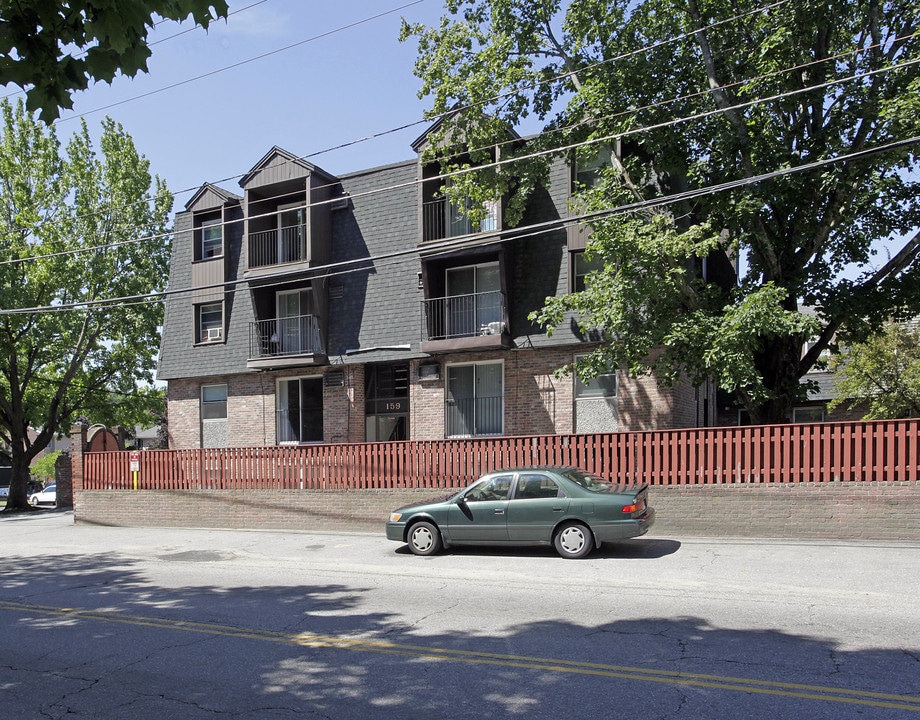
(339, 86)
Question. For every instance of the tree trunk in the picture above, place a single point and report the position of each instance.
(19, 481)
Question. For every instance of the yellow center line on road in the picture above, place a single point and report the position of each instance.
(339, 642)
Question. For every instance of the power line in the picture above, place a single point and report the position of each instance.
(509, 161)
(339, 268)
(512, 92)
(155, 42)
(243, 62)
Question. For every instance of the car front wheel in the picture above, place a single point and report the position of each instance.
(424, 538)
(33, 501)
(573, 540)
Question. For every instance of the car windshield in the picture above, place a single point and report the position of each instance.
(588, 482)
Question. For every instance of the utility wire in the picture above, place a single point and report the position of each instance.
(445, 246)
(433, 118)
(559, 77)
(155, 42)
(242, 62)
(509, 161)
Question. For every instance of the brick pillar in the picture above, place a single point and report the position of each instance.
(63, 478)
(77, 448)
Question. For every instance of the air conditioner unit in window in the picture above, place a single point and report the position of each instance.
(492, 328)
(213, 334)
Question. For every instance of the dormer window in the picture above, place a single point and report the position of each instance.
(209, 237)
(589, 169)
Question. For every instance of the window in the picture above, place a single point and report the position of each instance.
(299, 416)
(532, 486)
(494, 489)
(475, 404)
(210, 321)
(601, 386)
(212, 240)
(209, 241)
(580, 267)
(474, 300)
(213, 402)
(813, 414)
(291, 239)
(589, 168)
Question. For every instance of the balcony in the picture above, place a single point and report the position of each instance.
(441, 220)
(278, 246)
(285, 342)
(465, 322)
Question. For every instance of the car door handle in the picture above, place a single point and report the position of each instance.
(557, 509)
(499, 512)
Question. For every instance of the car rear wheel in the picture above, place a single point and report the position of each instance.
(424, 538)
(573, 540)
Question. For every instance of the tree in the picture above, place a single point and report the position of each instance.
(883, 371)
(51, 49)
(76, 229)
(45, 467)
(783, 138)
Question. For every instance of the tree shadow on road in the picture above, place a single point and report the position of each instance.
(89, 635)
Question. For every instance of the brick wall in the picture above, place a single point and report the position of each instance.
(536, 401)
(850, 510)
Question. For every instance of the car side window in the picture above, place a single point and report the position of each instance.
(495, 489)
(535, 485)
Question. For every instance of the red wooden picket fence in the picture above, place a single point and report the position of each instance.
(821, 452)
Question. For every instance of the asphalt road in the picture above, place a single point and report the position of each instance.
(99, 622)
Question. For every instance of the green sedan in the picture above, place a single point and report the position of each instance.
(563, 507)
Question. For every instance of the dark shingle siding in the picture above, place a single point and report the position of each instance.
(377, 303)
(179, 356)
(379, 306)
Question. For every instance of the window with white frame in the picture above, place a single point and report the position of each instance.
(211, 239)
(580, 267)
(210, 322)
(209, 235)
(214, 402)
(475, 399)
(604, 385)
(590, 167)
(299, 414)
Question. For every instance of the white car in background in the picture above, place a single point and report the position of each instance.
(48, 496)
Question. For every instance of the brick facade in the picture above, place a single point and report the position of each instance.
(536, 401)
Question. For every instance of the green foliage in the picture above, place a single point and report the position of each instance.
(696, 94)
(44, 466)
(51, 49)
(883, 371)
(77, 227)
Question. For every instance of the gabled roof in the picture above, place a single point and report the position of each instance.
(221, 196)
(422, 139)
(279, 156)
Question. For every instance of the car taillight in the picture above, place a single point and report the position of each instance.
(635, 507)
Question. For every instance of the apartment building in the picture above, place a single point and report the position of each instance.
(365, 308)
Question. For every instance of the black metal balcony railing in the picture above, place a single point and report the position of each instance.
(441, 220)
(464, 315)
(285, 336)
(277, 246)
(469, 417)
